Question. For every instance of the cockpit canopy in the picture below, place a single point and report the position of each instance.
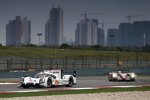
(42, 75)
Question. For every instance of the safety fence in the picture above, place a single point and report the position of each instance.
(74, 63)
(80, 72)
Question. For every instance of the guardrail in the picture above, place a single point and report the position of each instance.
(82, 62)
(80, 72)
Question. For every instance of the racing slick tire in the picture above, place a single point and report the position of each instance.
(132, 79)
(109, 78)
(70, 82)
(49, 83)
(25, 86)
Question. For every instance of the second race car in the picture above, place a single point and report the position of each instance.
(121, 76)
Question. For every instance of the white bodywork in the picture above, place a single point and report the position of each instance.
(114, 76)
(48, 78)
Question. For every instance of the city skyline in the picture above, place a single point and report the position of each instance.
(111, 12)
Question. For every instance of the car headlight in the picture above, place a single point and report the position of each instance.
(132, 75)
(42, 80)
(114, 75)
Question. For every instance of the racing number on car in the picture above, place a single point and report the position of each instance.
(56, 82)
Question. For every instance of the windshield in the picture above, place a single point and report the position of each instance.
(41, 75)
(45, 75)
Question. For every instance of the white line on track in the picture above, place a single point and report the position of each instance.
(5, 83)
(124, 86)
(28, 91)
(72, 89)
(84, 88)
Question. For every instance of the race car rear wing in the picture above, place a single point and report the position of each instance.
(74, 74)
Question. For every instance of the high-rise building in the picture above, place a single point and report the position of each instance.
(26, 31)
(101, 37)
(126, 36)
(86, 32)
(142, 31)
(18, 32)
(54, 28)
(113, 37)
(135, 34)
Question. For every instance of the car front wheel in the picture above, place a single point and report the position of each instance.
(49, 83)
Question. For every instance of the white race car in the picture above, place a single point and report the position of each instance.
(49, 78)
(121, 76)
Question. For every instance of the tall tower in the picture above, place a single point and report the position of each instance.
(135, 34)
(126, 34)
(101, 37)
(86, 32)
(26, 31)
(54, 28)
(142, 30)
(18, 32)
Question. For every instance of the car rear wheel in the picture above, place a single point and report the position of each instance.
(70, 82)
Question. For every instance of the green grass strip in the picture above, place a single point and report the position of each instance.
(64, 92)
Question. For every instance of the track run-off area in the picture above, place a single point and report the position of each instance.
(94, 82)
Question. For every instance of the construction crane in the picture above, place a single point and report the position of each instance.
(131, 16)
(85, 17)
(85, 14)
(102, 24)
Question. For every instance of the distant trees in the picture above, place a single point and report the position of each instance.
(30, 45)
(64, 46)
(94, 47)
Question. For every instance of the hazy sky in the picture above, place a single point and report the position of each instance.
(112, 12)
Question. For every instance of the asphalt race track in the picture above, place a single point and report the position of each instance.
(82, 82)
